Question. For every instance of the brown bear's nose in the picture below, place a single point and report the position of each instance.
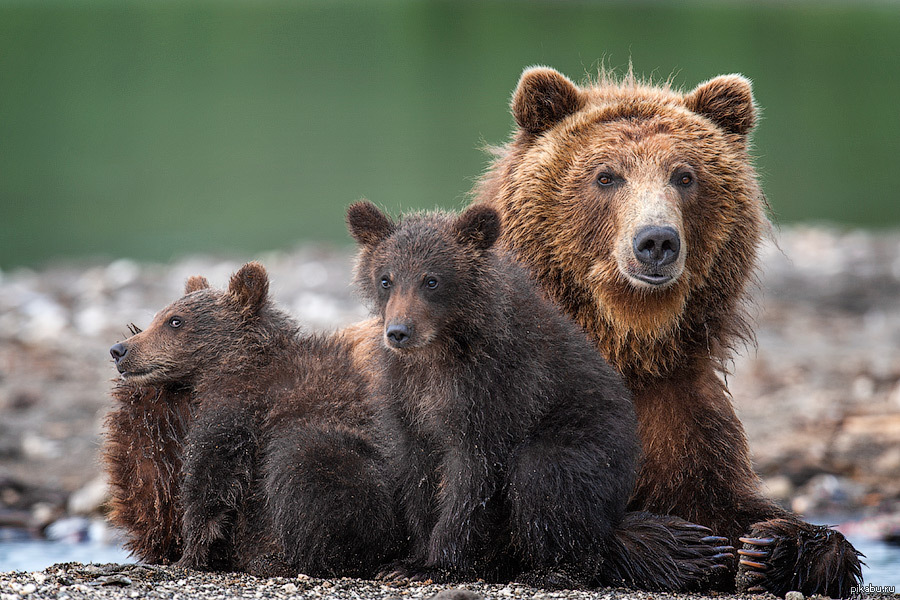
(657, 246)
(398, 335)
(118, 352)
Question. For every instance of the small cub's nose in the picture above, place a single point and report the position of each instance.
(657, 246)
(118, 352)
(398, 335)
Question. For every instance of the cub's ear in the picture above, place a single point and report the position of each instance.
(250, 287)
(478, 226)
(727, 101)
(194, 283)
(367, 224)
(544, 97)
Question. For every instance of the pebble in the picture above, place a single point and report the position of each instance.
(794, 596)
(89, 498)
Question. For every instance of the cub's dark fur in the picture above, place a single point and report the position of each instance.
(514, 444)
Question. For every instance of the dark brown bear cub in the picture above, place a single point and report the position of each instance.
(513, 443)
(280, 472)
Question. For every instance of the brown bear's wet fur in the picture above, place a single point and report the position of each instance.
(588, 171)
(279, 472)
(142, 452)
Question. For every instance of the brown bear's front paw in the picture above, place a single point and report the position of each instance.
(783, 555)
(705, 560)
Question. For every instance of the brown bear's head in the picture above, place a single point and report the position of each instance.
(423, 276)
(195, 334)
(635, 205)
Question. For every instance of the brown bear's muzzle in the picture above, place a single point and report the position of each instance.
(656, 249)
(118, 353)
(398, 335)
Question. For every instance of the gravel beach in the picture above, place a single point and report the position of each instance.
(74, 581)
(819, 395)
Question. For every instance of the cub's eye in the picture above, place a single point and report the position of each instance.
(175, 322)
(605, 179)
(431, 283)
(684, 179)
(385, 282)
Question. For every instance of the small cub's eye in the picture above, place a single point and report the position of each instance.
(385, 282)
(431, 283)
(175, 322)
(685, 179)
(605, 179)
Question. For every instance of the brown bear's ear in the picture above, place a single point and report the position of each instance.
(194, 283)
(368, 225)
(478, 226)
(250, 287)
(727, 101)
(544, 97)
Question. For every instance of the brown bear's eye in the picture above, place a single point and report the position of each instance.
(685, 179)
(431, 283)
(175, 322)
(605, 179)
(385, 282)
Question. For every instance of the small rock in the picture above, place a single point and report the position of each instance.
(456, 594)
(779, 487)
(119, 579)
(794, 596)
(28, 588)
(38, 447)
(289, 588)
(89, 498)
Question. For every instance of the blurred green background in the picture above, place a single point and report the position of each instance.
(152, 129)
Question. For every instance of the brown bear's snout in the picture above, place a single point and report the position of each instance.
(656, 246)
(118, 352)
(398, 335)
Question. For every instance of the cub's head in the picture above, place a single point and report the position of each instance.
(196, 333)
(642, 198)
(425, 275)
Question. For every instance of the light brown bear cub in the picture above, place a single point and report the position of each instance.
(277, 469)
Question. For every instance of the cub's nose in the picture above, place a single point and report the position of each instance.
(118, 352)
(657, 246)
(398, 335)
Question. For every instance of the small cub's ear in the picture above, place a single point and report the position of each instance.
(250, 287)
(544, 97)
(727, 101)
(194, 283)
(478, 226)
(367, 224)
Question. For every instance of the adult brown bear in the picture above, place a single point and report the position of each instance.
(638, 209)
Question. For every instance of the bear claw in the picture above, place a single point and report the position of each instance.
(714, 539)
(758, 541)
